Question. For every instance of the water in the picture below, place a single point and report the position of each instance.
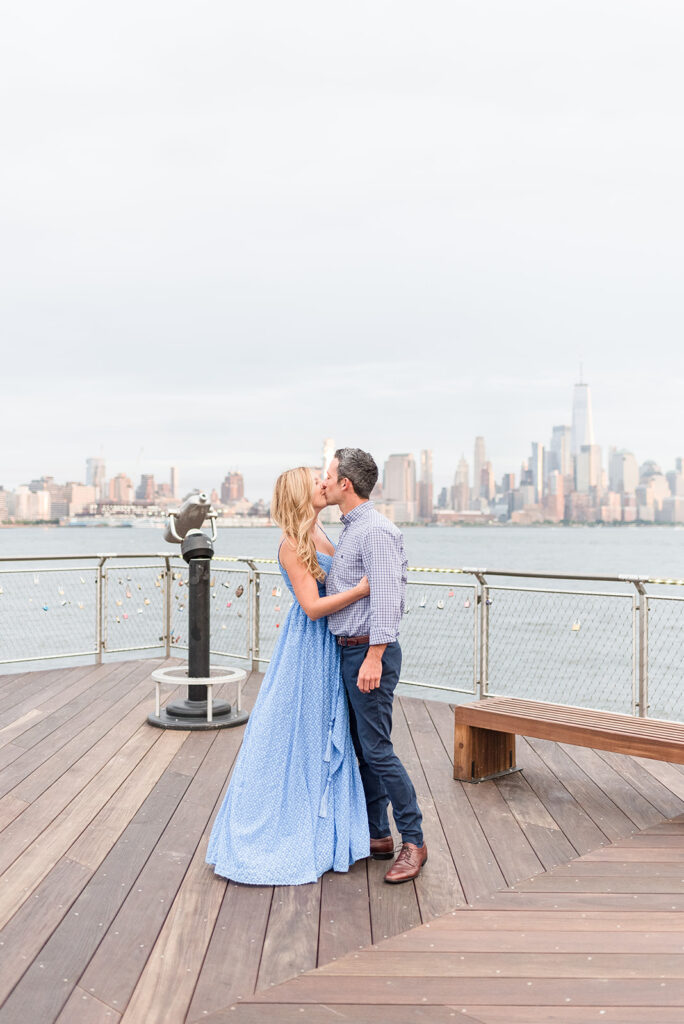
(591, 550)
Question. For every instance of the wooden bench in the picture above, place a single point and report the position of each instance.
(484, 734)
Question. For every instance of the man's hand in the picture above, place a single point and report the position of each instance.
(371, 669)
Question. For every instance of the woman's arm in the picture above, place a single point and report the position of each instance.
(306, 588)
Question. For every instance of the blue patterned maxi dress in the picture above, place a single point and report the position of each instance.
(295, 806)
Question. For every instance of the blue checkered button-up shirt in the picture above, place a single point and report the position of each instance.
(369, 545)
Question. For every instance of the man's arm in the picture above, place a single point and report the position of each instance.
(382, 563)
(370, 672)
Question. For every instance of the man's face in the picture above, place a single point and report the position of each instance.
(333, 488)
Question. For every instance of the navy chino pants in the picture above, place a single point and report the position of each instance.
(385, 780)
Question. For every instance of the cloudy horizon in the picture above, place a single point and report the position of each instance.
(231, 232)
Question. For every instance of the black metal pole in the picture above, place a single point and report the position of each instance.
(197, 550)
(199, 571)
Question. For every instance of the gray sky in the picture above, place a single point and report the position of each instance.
(230, 230)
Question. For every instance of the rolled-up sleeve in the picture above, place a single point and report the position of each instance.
(384, 565)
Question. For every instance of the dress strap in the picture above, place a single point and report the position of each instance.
(329, 539)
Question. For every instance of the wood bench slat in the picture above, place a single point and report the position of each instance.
(561, 713)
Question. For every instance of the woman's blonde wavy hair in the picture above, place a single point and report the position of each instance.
(292, 509)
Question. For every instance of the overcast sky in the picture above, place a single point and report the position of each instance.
(229, 230)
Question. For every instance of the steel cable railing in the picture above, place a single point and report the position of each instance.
(606, 642)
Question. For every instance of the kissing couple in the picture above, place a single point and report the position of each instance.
(317, 771)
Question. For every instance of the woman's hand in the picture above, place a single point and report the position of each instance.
(363, 587)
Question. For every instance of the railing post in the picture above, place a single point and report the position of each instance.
(254, 590)
(167, 606)
(483, 600)
(635, 652)
(99, 611)
(642, 703)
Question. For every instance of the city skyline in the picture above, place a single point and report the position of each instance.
(259, 479)
(564, 480)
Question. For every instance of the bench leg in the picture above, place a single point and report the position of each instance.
(481, 754)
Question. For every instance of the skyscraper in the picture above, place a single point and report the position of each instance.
(479, 460)
(559, 454)
(536, 466)
(554, 499)
(487, 483)
(623, 472)
(460, 492)
(145, 490)
(232, 488)
(582, 421)
(121, 489)
(328, 455)
(174, 481)
(588, 468)
(399, 487)
(95, 476)
(425, 500)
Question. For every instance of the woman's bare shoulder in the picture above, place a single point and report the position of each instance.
(287, 550)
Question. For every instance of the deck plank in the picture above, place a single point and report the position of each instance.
(543, 833)
(578, 1014)
(522, 939)
(49, 981)
(206, 759)
(35, 688)
(82, 1008)
(118, 963)
(32, 860)
(476, 865)
(38, 703)
(469, 991)
(59, 748)
(345, 915)
(669, 774)
(625, 796)
(47, 761)
(382, 963)
(597, 804)
(353, 1013)
(176, 958)
(291, 941)
(395, 907)
(115, 745)
(231, 966)
(438, 887)
(511, 847)
(650, 787)
(579, 828)
(37, 917)
(65, 706)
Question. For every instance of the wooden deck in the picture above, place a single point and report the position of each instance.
(108, 911)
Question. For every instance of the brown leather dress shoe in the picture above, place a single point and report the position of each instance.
(408, 863)
(382, 849)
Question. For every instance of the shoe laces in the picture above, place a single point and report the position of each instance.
(404, 854)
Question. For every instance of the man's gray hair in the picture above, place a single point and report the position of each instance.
(359, 468)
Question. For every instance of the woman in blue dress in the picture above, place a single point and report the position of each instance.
(295, 806)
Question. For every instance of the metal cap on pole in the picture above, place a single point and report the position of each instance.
(198, 710)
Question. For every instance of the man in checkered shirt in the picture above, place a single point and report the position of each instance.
(367, 634)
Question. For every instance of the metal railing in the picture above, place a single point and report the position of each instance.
(609, 642)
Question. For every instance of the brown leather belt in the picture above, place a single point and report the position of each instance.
(352, 641)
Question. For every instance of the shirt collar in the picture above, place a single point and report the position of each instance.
(356, 513)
